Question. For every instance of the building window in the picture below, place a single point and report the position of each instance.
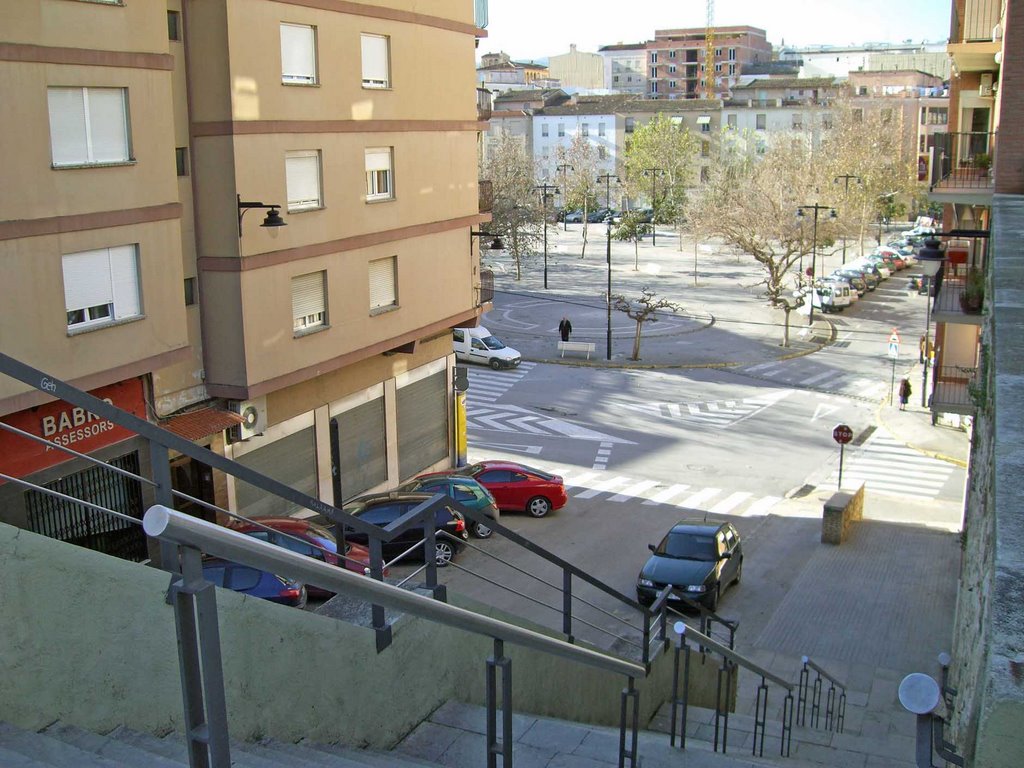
(705, 174)
(376, 61)
(544, 130)
(561, 130)
(545, 152)
(630, 124)
(671, 69)
(730, 121)
(600, 129)
(89, 126)
(309, 302)
(378, 174)
(671, 84)
(191, 298)
(886, 116)
(704, 121)
(654, 87)
(298, 54)
(585, 129)
(718, 52)
(101, 286)
(862, 90)
(181, 160)
(718, 67)
(173, 25)
(654, 57)
(798, 122)
(826, 121)
(732, 54)
(761, 121)
(732, 69)
(302, 177)
(383, 278)
(654, 73)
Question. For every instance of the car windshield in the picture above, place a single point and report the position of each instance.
(688, 546)
(492, 342)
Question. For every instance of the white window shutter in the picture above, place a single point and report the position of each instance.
(108, 126)
(382, 283)
(67, 125)
(298, 53)
(308, 297)
(375, 61)
(378, 159)
(302, 176)
(87, 279)
(124, 280)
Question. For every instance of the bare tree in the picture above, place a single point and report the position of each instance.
(515, 214)
(643, 310)
(632, 230)
(581, 181)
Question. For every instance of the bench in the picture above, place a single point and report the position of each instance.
(576, 346)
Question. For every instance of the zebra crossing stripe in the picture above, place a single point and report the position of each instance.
(822, 377)
(634, 490)
(662, 496)
(602, 487)
(579, 480)
(729, 503)
(761, 506)
(700, 497)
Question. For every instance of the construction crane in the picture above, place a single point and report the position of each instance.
(709, 52)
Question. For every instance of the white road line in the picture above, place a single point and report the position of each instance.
(822, 376)
(663, 496)
(634, 490)
(578, 480)
(761, 506)
(730, 502)
(700, 497)
(603, 486)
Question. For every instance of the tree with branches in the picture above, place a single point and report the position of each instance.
(631, 229)
(580, 185)
(516, 215)
(643, 309)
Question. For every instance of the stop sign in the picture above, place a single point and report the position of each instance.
(842, 434)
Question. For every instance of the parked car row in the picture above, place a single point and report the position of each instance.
(852, 280)
(491, 487)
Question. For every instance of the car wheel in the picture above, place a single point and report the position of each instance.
(496, 364)
(444, 553)
(716, 595)
(739, 573)
(538, 506)
(481, 531)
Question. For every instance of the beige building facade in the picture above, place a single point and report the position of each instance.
(158, 140)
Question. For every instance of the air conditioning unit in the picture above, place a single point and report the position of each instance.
(985, 86)
(254, 417)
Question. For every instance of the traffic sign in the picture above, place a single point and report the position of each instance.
(842, 434)
(894, 344)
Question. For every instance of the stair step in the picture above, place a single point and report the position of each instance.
(280, 755)
(105, 746)
(47, 750)
(11, 759)
(171, 747)
(369, 758)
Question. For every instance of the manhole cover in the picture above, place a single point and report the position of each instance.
(806, 490)
(863, 436)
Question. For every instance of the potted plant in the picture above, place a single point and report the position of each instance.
(983, 161)
(973, 295)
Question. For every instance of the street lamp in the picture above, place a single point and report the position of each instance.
(546, 190)
(654, 173)
(607, 179)
(814, 245)
(272, 220)
(930, 257)
(562, 169)
(846, 177)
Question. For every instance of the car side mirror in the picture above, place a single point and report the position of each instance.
(725, 556)
(651, 547)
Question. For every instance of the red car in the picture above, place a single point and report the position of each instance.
(517, 487)
(306, 538)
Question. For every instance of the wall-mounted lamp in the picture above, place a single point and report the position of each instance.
(496, 244)
(272, 219)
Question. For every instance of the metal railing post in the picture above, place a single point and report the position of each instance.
(499, 661)
(630, 698)
(160, 468)
(430, 557)
(787, 724)
(816, 701)
(202, 674)
(567, 604)
(680, 702)
(760, 717)
(378, 616)
(801, 701)
(721, 703)
(830, 703)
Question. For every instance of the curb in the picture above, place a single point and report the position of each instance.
(879, 416)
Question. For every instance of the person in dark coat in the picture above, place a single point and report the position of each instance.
(564, 328)
(904, 393)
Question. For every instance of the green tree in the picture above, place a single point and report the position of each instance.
(642, 310)
(632, 230)
(516, 216)
(661, 144)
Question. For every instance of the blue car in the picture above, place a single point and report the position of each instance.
(251, 581)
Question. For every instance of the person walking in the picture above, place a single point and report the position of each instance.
(904, 393)
(564, 328)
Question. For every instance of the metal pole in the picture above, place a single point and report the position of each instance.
(608, 340)
(927, 343)
(654, 218)
(839, 485)
(814, 253)
(545, 242)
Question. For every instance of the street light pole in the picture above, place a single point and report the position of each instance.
(654, 173)
(546, 190)
(562, 169)
(607, 179)
(814, 247)
(846, 177)
(931, 258)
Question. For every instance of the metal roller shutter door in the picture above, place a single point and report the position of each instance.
(290, 460)
(359, 449)
(422, 423)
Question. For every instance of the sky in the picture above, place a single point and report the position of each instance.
(535, 29)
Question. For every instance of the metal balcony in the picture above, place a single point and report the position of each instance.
(951, 389)
(485, 192)
(978, 22)
(486, 287)
(962, 167)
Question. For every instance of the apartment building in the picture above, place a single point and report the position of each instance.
(234, 218)
(577, 69)
(625, 67)
(675, 59)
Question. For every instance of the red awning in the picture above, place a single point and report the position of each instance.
(195, 425)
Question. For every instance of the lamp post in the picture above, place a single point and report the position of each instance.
(654, 173)
(846, 177)
(930, 257)
(272, 220)
(562, 169)
(546, 190)
(814, 245)
(607, 179)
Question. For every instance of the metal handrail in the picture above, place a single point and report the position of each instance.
(692, 635)
(65, 497)
(823, 673)
(179, 528)
(835, 709)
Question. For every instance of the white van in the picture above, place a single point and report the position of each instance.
(477, 345)
(826, 296)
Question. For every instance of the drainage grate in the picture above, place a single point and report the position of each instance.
(863, 436)
(841, 344)
(804, 491)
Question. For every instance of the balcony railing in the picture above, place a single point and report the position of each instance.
(483, 104)
(951, 389)
(486, 195)
(978, 22)
(486, 287)
(963, 161)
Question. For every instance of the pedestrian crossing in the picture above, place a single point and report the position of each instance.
(813, 375)
(887, 466)
(713, 413)
(487, 385)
